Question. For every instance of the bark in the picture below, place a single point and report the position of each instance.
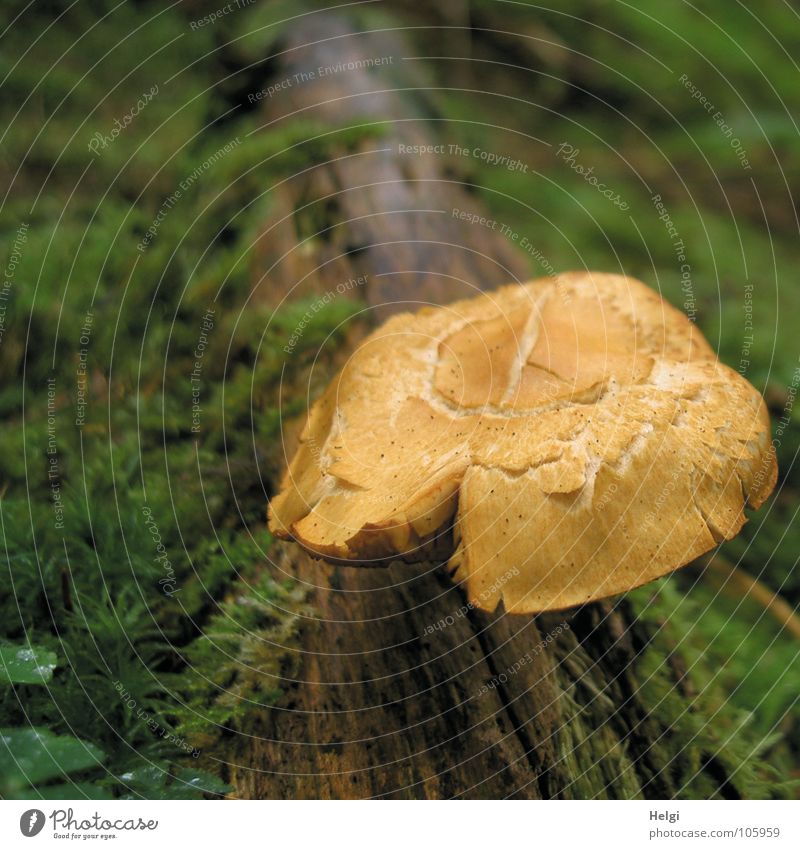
(398, 690)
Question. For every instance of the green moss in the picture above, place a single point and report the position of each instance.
(238, 665)
(719, 695)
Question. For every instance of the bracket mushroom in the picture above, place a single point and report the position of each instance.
(556, 442)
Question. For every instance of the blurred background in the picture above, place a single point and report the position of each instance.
(142, 366)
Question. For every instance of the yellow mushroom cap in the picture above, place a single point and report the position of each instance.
(558, 442)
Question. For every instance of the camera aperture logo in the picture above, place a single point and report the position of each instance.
(31, 822)
(67, 826)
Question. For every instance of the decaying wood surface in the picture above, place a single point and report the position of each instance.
(371, 209)
(399, 690)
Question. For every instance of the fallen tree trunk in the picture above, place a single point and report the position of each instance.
(400, 689)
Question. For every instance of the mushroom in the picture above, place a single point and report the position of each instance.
(556, 442)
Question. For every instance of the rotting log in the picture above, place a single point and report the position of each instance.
(398, 689)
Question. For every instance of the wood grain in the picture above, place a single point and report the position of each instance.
(383, 706)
